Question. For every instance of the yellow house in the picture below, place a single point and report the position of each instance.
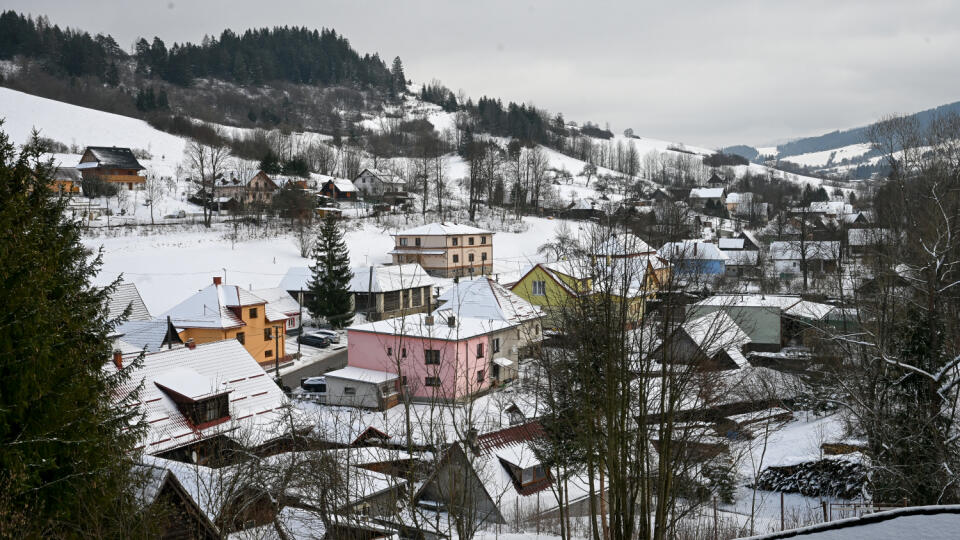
(220, 312)
(551, 285)
(66, 180)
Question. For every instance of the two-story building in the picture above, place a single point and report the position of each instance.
(220, 312)
(379, 184)
(446, 249)
(259, 188)
(112, 164)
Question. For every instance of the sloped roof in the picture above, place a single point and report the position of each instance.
(389, 278)
(739, 198)
(112, 157)
(278, 299)
(867, 237)
(147, 335)
(706, 193)
(71, 174)
(730, 243)
(127, 294)
(344, 185)
(297, 278)
(909, 522)
(416, 326)
(691, 250)
(383, 176)
(362, 374)
(717, 331)
(484, 298)
(210, 308)
(441, 229)
(256, 402)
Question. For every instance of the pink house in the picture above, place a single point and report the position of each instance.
(439, 357)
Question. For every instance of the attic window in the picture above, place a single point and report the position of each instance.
(207, 410)
(532, 475)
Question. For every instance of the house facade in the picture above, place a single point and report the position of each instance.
(384, 292)
(339, 189)
(445, 249)
(220, 312)
(112, 164)
(66, 180)
(376, 183)
(694, 258)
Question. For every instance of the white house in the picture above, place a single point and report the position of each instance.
(375, 183)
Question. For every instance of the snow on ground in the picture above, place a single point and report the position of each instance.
(826, 157)
(71, 124)
(169, 267)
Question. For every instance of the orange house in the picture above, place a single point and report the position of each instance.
(112, 164)
(220, 312)
(66, 180)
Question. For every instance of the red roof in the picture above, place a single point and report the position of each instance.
(511, 435)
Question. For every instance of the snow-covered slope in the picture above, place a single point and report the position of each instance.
(70, 124)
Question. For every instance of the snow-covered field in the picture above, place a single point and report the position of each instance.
(827, 157)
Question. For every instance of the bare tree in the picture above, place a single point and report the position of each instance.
(208, 162)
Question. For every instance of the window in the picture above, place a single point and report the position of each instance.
(416, 242)
(403, 241)
(483, 256)
(470, 240)
(267, 335)
(456, 258)
(253, 313)
(480, 375)
(470, 257)
(403, 380)
(431, 357)
(403, 352)
(533, 474)
(483, 240)
(389, 351)
(539, 288)
(456, 241)
(268, 353)
(207, 410)
(241, 337)
(495, 345)
(349, 391)
(479, 350)
(431, 381)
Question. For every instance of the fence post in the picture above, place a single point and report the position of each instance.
(781, 512)
(715, 527)
(823, 504)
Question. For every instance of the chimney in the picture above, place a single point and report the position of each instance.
(452, 321)
(695, 249)
(118, 358)
(191, 345)
(428, 320)
(217, 280)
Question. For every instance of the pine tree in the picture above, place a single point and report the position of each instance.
(399, 78)
(329, 290)
(64, 441)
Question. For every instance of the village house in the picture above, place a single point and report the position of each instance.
(112, 164)
(362, 388)
(379, 184)
(819, 257)
(709, 342)
(339, 189)
(865, 242)
(259, 188)
(694, 258)
(621, 246)
(66, 180)
(125, 295)
(716, 180)
(445, 249)
(700, 198)
(220, 312)
(281, 301)
(202, 402)
(181, 516)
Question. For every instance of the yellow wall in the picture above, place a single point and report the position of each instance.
(254, 342)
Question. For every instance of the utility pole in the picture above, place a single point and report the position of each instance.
(300, 299)
(276, 350)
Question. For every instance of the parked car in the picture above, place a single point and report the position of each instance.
(314, 339)
(314, 384)
(332, 335)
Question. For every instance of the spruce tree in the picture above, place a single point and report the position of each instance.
(65, 441)
(329, 288)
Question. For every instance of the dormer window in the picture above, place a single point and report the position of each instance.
(531, 475)
(207, 410)
(196, 397)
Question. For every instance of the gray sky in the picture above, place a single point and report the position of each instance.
(706, 73)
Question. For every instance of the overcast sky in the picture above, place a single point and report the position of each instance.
(707, 73)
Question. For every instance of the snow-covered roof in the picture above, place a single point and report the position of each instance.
(441, 229)
(297, 278)
(809, 310)
(256, 402)
(278, 299)
(814, 250)
(717, 331)
(831, 207)
(484, 298)
(127, 294)
(738, 198)
(730, 243)
(623, 244)
(146, 335)
(909, 522)
(867, 237)
(361, 374)
(210, 308)
(383, 176)
(344, 185)
(691, 250)
(416, 326)
(389, 278)
(750, 300)
(706, 193)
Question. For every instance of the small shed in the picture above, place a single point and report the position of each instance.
(363, 388)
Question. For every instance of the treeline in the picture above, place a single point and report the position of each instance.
(63, 52)
(293, 54)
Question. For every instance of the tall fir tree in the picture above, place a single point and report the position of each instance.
(329, 288)
(65, 440)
